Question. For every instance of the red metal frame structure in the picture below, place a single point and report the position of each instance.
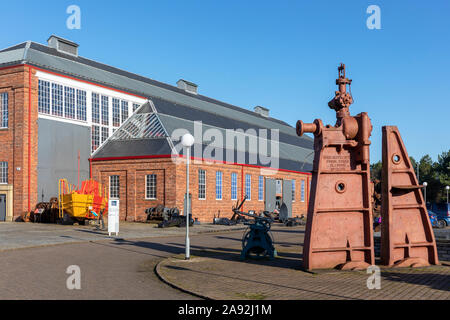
(407, 238)
(339, 225)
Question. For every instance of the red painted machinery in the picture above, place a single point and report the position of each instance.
(339, 223)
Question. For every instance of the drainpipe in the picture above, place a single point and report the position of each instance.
(242, 186)
(29, 138)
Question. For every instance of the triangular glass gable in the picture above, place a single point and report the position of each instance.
(140, 126)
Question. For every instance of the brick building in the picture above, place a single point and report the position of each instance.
(65, 116)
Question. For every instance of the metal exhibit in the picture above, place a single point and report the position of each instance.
(407, 238)
(339, 223)
(339, 230)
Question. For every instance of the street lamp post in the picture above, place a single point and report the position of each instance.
(446, 188)
(425, 186)
(187, 140)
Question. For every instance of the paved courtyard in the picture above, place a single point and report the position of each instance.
(16, 235)
(124, 267)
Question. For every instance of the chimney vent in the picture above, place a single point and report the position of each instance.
(187, 86)
(63, 45)
(262, 111)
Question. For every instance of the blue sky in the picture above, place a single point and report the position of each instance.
(279, 54)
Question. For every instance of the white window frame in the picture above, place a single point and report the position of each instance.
(147, 186)
(118, 186)
(3, 172)
(219, 185)
(260, 188)
(234, 185)
(44, 96)
(198, 172)
(248, 185)
(302, 190)
(293, 190)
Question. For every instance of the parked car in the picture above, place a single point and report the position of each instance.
(442, 211)
(433, 219)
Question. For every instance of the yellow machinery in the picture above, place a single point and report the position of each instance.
(82, 204)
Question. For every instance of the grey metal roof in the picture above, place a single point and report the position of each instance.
(175, 107)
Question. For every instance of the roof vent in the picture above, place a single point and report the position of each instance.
(262, 111)
(187, 86)
(63, 45)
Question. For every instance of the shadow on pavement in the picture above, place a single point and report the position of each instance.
(335, 296)
(432, 280)
(290, 260)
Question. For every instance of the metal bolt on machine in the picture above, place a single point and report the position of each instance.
(339, 230)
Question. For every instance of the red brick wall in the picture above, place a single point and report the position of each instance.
(206, 209)
(132, 184)
(14, 140)
(171, 186)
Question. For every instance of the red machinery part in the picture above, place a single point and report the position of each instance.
(407, 238)
(339, 226)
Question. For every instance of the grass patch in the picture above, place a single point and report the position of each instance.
(251, 296)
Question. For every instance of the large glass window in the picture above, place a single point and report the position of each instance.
(115, 112)
(44, 96)
(219, 185)
(114, 187)
(95, 108)
(57, 100)
(201, 184)
(124, 105)
(248, 186)
(150, 186)
(260, 188)
(3, 172)
(95, 137)
(69, 102)
(81, 105)
(4, 110)
(302, 190)
(233, 186)
(105, 110)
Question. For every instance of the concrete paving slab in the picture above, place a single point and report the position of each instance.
(16, 235)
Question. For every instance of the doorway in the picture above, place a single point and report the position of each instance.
(2, 207)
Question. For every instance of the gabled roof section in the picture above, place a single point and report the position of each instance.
(148, 130)
(51, 59)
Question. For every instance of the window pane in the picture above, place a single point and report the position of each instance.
(234, 186)
(105, 134)
(44, 96)
(4, 111)
(201, 184)
(57, 100)
(218, 185)
(150, 192)
(135, 106)
(3, 172)
(114, 187)
(105, 111)
(261, 188)
(124, 105)
(81, 105)
(95, 108)
(293, 190)
(302, 190)
(116, 112)
(95, 137)
(69, 102)
(248, 186)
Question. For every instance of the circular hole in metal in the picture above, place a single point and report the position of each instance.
(340, 187)
(396, 158)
